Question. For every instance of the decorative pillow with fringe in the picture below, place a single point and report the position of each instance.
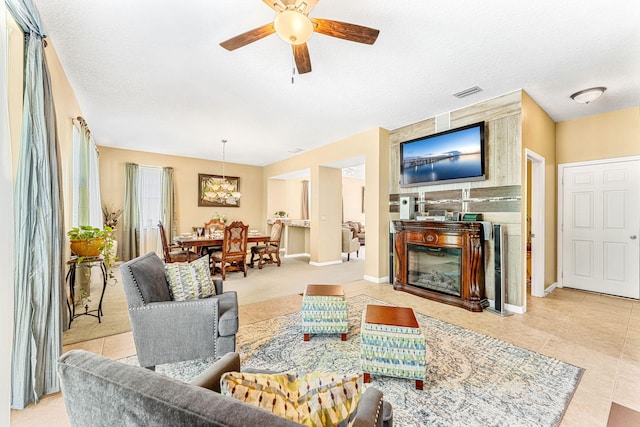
(314, 399)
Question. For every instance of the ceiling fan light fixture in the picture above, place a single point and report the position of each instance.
(588, 95)
(293, 27)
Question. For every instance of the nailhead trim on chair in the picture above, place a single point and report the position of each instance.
(137, 286)
(166, 304)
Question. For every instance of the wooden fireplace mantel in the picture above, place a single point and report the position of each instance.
(467, 236)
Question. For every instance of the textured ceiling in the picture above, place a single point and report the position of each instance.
(151, 76)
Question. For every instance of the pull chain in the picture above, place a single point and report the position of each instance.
(293, 69)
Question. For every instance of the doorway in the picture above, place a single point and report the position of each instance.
(599, 210)
(537, 223)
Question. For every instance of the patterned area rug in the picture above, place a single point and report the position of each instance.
(472, 379)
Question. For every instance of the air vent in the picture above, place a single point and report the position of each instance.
(468, 91)
(295, 150)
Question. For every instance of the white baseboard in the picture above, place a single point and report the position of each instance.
(551, 288)
(296, 255)
(384, 279)
(516, 309)
(324, 264)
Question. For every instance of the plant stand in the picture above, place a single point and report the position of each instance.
(97, 261)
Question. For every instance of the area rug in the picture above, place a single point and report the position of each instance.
(472, 379)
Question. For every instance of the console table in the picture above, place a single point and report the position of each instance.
(463, 238)
(90, 262)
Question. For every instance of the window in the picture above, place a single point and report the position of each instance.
(150, 193)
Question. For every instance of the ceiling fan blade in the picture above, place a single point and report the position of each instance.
(249, 37)
(346, 31)
(303, 60)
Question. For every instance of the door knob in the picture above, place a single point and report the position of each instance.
(633, 237)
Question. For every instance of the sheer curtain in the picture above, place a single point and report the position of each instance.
(39, 235)
(87, 204)
(150, 195)
(130, 214)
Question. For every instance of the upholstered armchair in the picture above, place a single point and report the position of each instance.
(350, 243)
(166, 331)
(358, 230)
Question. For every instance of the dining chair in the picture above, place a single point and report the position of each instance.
(233, 256)
(173, 253)
(270, 251)
(210, 227)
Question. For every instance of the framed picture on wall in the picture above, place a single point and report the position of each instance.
(218, 190)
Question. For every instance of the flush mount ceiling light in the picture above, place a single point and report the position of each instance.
(588, 95)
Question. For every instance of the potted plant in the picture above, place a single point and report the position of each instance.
(280, 214)
(88, 241)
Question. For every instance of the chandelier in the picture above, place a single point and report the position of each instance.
(221, 190)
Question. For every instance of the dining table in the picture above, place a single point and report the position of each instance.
(198, 242)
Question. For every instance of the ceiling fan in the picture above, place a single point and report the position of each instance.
(293, 25)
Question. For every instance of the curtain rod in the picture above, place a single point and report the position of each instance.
(83, 124)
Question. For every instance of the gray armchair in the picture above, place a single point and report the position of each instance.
(167, 331)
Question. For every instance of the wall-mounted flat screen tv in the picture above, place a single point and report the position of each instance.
(455, 155)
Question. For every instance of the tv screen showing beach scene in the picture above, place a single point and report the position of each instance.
(452, 156)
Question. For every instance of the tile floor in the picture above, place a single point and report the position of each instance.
(599, 333)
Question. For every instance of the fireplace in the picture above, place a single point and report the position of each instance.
(442, 261)
(436, 269)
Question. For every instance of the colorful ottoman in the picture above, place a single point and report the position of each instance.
(324, 311)
(392, 344)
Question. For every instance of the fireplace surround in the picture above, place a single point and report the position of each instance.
(442, 261)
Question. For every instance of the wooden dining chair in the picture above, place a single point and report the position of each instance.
(268, 253)
(210, 227)
(233, 256)
(173, 253)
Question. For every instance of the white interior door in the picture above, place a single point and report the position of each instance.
(600, 227)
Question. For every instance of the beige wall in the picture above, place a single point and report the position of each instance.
(373, 145)
(352, 199)
(14, 91)
(285, 195)
(7, 255)
(67, 108)
(186, 170)
(602, 136)
(539, 136)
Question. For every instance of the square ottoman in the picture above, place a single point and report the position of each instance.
(324, 311)
(392, 344)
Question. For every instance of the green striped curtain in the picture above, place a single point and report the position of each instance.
(38, 227)
(131, 214)
(168, 204)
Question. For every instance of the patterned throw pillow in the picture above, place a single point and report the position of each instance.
(189, 281)
(315, 399)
